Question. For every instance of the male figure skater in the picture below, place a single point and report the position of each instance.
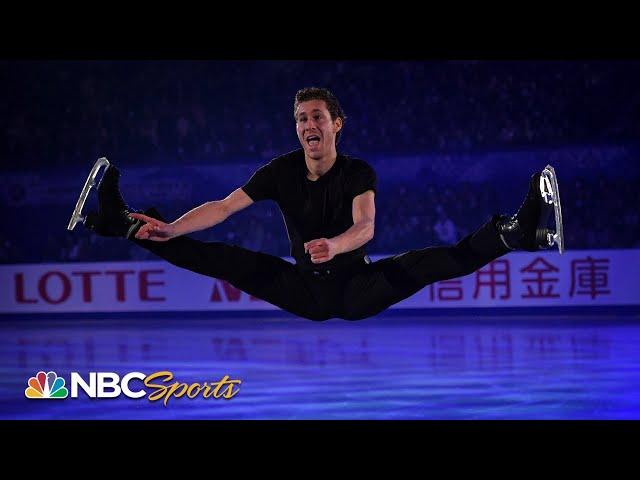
(328, 204)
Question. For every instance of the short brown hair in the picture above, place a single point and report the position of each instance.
(315, 93)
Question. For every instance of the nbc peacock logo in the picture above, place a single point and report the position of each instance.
(46, 385)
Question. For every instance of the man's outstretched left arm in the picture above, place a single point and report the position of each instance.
(364, 212)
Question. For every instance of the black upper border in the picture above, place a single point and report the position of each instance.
(343, 34)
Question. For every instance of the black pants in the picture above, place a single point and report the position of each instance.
(352, 293)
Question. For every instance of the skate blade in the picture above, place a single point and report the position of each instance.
(551, 195)
(77, 215)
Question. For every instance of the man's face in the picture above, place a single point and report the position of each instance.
(316, 131)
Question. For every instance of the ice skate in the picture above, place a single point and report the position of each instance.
(529, 228)
(112, 218)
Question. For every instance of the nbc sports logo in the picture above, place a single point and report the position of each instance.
(46, 385)
(111, 385)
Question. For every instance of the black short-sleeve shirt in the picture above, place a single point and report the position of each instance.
(313, 209)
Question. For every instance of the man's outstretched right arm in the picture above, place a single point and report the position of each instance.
(205, 216)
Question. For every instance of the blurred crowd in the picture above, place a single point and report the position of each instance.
(145, 112)
(65, 114)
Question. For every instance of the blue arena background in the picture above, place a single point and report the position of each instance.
(451, 141)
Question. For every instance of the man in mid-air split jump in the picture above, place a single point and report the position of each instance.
(328, 203)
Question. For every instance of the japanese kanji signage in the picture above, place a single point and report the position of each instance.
(581, 277)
